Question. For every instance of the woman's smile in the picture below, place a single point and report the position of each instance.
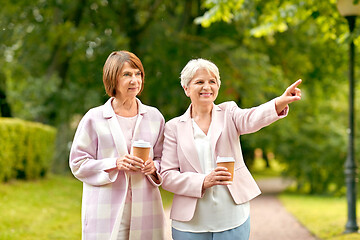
(206, 94)
(203, 87)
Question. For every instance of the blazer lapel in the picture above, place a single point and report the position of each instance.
(138, 131)
(115, 129)
(187, 142)
(217, 125)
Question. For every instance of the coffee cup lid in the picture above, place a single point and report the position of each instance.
(224, 159)
(141, 144)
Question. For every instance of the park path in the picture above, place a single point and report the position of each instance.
(269, 218)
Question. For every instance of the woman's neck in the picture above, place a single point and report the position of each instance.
(202, 116)
(125, 107)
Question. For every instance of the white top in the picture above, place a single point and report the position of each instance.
(216, 211)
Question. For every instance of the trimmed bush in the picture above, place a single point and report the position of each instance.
(26, 149)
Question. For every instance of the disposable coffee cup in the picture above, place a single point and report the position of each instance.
(141, 149)
(227, 162)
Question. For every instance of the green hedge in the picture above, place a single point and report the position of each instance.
(26, 149)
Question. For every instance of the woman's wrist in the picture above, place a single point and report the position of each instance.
(280, 105)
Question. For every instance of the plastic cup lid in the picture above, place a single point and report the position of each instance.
(141, 144)
(225, 159)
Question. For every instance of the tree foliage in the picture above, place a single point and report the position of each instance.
(53, 52)
(306, 39)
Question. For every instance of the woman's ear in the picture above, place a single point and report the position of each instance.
(186, 91)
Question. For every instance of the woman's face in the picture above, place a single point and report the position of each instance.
(129, 82)
(203, 87)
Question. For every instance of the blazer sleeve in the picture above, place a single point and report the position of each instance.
(180, 182)
(83, 156)
(253, 119)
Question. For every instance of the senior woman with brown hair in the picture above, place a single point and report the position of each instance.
(205, 206)
(121, 199)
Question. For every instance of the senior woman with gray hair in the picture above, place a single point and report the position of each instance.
(205, 205)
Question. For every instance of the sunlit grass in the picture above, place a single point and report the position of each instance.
(167, 198)
(260, 171)
(50, 209)
(43, 209)
(324, 216)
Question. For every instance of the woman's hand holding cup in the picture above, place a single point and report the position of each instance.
(222, 174)
(129, 163)
(141, 149)
(219, 176)
(149, 167)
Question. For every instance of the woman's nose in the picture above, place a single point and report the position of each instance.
(206, 85)
(133, 78)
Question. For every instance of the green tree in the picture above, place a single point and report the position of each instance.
(53, 53)
(308, 40)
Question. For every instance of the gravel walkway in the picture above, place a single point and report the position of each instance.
(269, 218)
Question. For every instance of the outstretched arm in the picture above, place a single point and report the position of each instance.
(291, 94)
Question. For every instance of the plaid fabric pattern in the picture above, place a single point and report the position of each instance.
(146, 214)
(98, 142)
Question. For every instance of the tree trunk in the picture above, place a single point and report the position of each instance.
(5, 109)
(4, 106)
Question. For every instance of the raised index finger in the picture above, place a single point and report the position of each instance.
(295, 84)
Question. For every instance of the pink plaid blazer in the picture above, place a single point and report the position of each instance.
(97, 144)
(180, 167)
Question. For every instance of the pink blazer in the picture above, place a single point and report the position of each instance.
(180, 167)
(97, 144)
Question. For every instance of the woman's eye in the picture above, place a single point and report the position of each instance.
(138, 74)
(126, 74)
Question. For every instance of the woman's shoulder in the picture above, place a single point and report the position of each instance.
(227, 105)
(90, 118)
(152, 110)
(175, 123)
(93, 115)
(172, 124)
(173, 120)
(95, 112)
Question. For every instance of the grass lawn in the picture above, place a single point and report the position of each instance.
(324, 216)
(50, 209)
(167, 198)
(44, 209)
(41, 210)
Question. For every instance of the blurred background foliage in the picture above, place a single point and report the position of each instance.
(52, 53)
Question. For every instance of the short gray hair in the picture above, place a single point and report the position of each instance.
(193, 65)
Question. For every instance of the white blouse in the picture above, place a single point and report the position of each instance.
(216, 211)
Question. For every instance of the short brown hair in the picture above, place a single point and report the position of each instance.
(112, 69)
